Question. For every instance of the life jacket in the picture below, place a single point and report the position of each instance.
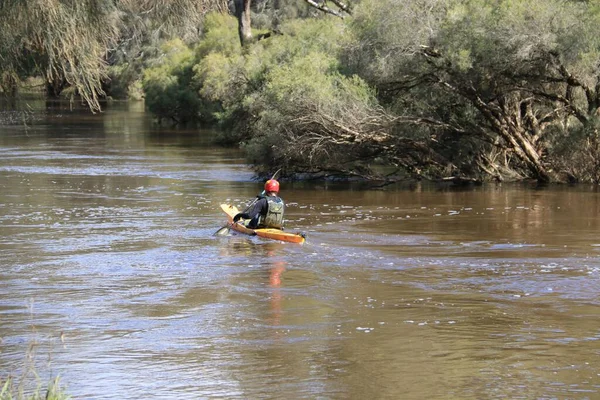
(274, 217)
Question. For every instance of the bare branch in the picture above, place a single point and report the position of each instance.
(342, 6)
(323, 7)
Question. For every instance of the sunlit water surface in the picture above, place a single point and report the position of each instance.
(111, 277)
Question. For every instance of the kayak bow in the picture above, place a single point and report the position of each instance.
(268, 233)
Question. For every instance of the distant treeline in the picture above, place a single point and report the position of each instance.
(373, 89)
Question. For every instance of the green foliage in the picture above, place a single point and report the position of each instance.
(385, 36)
(476, 36)
(243, 83)
(72, 43)
(276, 81)
(503, 67)
(169, 94)
(59, 40)
(219, 71)
(122, 78)
(189, 85)
(219, 35)
(295, 107)
(444, 86)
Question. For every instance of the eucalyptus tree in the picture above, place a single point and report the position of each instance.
(511, 75)
(62, 41)
(71, 42)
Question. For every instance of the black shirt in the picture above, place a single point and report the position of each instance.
(261, 207)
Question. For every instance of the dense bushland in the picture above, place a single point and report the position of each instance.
(429, 88)
(460, 89)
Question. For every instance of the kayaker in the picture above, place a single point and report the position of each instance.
(267, 211)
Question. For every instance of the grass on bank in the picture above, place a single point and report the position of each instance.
(10, 391)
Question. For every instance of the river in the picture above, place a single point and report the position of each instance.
(112, 278)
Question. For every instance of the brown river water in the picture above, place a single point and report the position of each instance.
(111, 277)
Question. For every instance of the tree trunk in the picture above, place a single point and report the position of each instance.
(516, 138)
(55, 87)
(242, 12)
(506, 120)
(528, 153)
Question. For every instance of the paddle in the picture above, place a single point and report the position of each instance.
(225, 230)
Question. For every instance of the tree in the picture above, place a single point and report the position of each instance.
(62, 41)
(504, 66)
(71, 42)
(243, 14)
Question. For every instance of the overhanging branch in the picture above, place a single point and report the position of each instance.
(323, 7)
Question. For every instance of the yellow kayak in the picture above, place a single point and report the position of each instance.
(269, 233)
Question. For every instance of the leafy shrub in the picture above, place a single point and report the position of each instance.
(167, 85)
(274, 93)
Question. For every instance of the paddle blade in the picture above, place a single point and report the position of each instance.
(224, 231)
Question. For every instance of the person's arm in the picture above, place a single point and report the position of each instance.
(253, 211)
(239, 216)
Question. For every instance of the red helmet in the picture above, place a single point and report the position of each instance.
(272, 186)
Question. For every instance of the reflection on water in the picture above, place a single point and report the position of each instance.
(111, 270)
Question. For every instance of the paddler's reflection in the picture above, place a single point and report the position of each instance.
(276, 271)
(271, 261)
(276, 268)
